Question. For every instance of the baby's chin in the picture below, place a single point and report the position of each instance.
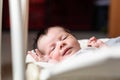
(55, 61)
(73, 52)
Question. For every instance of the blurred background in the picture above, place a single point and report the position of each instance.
(73, 14)
(84, 18)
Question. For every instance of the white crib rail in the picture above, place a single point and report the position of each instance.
(19, 21)
(25, 12)
(1, 6)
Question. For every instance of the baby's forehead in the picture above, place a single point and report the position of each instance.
(56, 29)
(54, 33)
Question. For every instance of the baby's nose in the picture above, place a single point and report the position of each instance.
(60, 44)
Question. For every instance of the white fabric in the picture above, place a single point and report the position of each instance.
(101, 63)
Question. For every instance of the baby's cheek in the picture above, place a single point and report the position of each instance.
(56, 56)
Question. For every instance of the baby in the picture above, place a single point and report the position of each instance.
(57, 43)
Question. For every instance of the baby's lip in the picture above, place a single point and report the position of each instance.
(66, 51)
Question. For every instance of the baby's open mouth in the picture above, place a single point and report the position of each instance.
(67, 51)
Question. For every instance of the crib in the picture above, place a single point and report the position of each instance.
(19, 17)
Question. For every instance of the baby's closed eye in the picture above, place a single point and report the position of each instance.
(52, 48)
(64, 37)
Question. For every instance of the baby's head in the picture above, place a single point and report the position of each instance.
(57, 43)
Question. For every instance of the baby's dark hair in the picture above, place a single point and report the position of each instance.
(44, 32)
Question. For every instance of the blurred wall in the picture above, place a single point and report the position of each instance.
(73, 14)
(114, 19)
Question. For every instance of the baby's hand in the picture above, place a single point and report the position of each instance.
(94, 42)
(36, 55)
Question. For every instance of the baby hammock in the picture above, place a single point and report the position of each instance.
(19, 23)
(100, 64)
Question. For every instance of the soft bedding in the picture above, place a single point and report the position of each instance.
(102, 64)
(99, 64)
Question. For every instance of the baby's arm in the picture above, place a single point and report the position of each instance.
(94, 42)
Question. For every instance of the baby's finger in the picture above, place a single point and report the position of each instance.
(38, 53)
(93, 38)
(36, 58)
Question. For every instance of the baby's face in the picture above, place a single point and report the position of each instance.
(58, 44)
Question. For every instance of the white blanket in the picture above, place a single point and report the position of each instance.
(101, 64)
